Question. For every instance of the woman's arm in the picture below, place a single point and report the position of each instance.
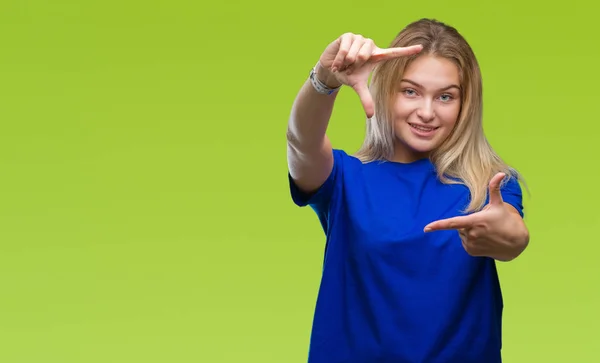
(349, 60)
(507, 240)
(309, 151)
(498, 231)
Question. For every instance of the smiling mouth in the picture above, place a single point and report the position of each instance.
(423, 128)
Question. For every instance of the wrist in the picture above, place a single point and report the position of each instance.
(326, 77)
(510, 240)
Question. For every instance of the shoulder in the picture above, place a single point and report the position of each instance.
(343, 165)
(347, 167)
(511, 183)
(344, 158)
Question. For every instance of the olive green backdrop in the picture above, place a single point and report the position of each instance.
(144, 206)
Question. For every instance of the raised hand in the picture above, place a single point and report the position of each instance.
(351, 58)
(496, 231)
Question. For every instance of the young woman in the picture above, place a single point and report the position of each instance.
(416, 219)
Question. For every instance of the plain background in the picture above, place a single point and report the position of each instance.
(144, 207)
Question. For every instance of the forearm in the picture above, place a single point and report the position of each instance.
(310, 156)
(310, 115)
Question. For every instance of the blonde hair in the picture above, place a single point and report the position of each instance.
(465, 157)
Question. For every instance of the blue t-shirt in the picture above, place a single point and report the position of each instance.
(391, 293)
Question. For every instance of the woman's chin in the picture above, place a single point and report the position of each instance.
(421, 146)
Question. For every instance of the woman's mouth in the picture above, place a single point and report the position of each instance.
(422, 130)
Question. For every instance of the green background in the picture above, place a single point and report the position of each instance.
(144, 206)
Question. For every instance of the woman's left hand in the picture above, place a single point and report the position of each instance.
(497, 231)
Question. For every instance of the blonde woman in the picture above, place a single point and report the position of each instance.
(416, 219)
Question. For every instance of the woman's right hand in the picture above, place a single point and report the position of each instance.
(351, 58)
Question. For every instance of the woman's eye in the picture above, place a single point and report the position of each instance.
(446, 98)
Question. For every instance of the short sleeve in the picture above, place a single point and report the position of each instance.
(321, 198)
(512, 194)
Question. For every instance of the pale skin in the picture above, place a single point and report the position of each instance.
(428, 97)
(425, 112)
(497, 231)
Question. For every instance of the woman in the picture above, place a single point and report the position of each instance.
(412, 234)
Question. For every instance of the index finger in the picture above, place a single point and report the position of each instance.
(450, 223)
(390, 53)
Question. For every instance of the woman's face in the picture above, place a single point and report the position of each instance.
(426, 108)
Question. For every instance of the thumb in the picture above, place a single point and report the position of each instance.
(495, 194)
(365, 98)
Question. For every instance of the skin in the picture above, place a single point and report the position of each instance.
(498, 231)
(428, 95)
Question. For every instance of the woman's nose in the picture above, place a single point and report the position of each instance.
(426, 112)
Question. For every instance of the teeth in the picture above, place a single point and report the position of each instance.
(422, 128)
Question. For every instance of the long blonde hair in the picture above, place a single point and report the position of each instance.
(465, 157)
